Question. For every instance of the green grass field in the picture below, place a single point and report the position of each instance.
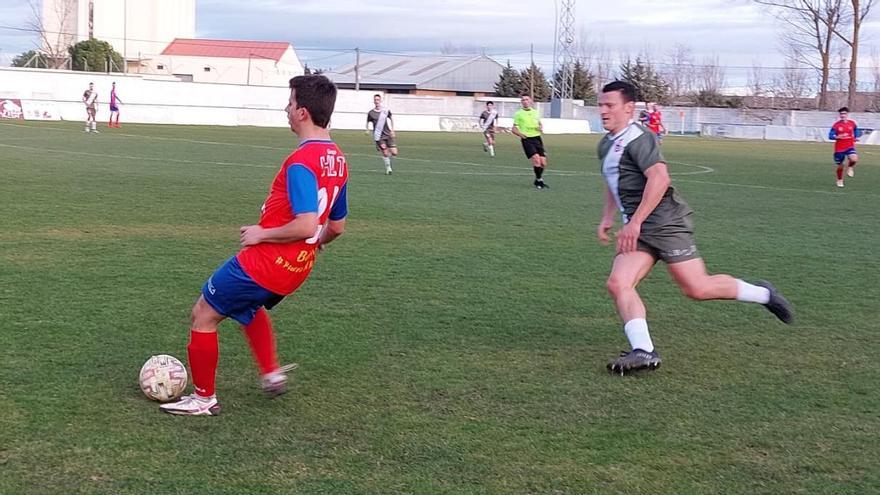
(454, 341)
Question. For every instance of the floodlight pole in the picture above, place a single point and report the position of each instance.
(357, 69)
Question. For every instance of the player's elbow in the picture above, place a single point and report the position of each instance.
(336, 227)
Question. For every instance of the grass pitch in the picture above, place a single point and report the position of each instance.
(453, 341)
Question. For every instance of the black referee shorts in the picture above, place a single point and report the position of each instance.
(533, 146)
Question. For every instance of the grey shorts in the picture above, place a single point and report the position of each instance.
(385, 143)
(671, 243)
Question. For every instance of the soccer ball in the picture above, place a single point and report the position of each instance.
(163, 378)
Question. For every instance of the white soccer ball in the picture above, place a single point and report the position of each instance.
(163, 378)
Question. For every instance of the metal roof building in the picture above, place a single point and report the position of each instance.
(447, 75)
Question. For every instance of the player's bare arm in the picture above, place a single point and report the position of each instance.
(658, 183)
(607, 222)
(515, 130)
(334, 229)
(300, 228)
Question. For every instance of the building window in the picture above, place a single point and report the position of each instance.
(160, 67)
(207, 69)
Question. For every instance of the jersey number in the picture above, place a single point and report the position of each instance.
(324, 203)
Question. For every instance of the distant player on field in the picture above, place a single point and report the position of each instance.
(114, 106)
(845, 133)
(379, 122)
(527, 126)
(656, 226)
(487, 124)
(305, 210)
(90, 99)
(654, 122)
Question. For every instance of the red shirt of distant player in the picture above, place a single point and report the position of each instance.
(654, 120)
(844, 132)
(281, 268)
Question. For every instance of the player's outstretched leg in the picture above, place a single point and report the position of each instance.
(635, 360)
(778, 305)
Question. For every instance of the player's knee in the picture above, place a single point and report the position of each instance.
(393, 151)
(853, 159)
(203, 316)
(616, 285)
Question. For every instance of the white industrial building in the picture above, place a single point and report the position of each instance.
(137, 29)
(252, 63)
(438, 75)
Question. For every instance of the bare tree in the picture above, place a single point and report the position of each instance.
(856, 12)
(55, 39)
(595, 57)
(875, 68)
(757, 79)
(792, 80)
(809, 34)
(710, 76)
(679, 71)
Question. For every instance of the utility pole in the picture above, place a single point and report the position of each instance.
(357, 69)
(532, 72)
(125, 36)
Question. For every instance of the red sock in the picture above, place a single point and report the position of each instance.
(840, 173)
(203, 353)
(261, 339)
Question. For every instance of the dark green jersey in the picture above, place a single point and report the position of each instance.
(624, 157)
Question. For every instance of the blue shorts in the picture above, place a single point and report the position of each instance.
(839, 156)
(234, 294)
(114, 108)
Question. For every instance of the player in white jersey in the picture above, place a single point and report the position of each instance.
(90, 99)
(487, 124)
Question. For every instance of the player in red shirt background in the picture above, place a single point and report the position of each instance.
(654, 122)
(845, 133)
(305, 209)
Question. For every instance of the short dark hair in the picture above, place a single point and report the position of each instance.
(627, 90)
(316, 94)
(843, 109)
(490, 103)
(377, 94)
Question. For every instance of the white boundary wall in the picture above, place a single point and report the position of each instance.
(57, 95)
(154, 99)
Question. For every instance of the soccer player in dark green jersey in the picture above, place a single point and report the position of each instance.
(657, 225)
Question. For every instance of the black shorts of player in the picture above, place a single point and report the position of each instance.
(533, 146)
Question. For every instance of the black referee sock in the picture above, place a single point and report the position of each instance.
(539, 171)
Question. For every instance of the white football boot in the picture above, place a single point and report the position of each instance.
(193, 405)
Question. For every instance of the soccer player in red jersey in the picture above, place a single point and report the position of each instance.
(845, 133)
(655, 122)
(305, 209)
(115, 100)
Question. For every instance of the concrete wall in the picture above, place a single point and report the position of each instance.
(164, 100)
(57, 95)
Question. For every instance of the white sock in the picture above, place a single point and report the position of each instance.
(387, 161)
(751, 293)
(491, 150)
(636, 331)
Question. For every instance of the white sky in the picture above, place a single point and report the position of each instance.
(736, 31)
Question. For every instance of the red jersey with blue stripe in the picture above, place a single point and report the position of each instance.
(844, 132)
(654, 120)
(311, 180)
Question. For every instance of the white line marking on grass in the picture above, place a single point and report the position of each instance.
(524, 170)
(141, 158)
